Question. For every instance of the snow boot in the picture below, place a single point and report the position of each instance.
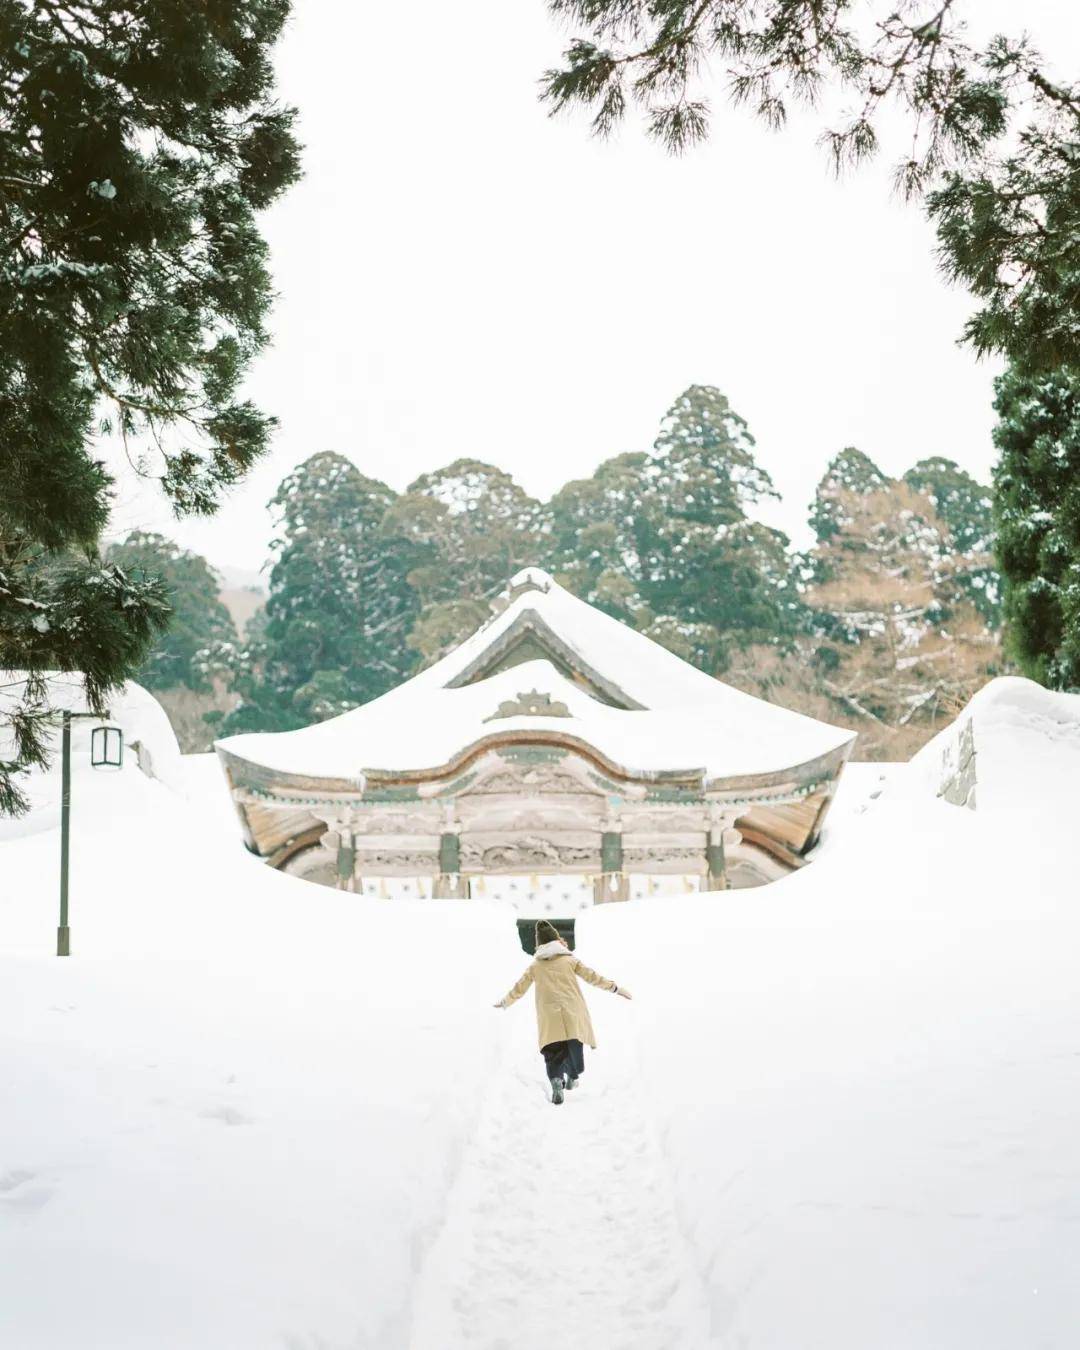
(556, 1091)
(571, 1083)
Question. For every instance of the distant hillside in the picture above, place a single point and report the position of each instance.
(242, 592)
(242, 603)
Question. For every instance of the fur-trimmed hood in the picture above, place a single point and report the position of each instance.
(549, 949)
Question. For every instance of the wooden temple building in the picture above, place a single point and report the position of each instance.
(555, 740)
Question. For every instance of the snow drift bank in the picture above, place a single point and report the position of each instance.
(231, 1118)
(239, 1109)
(1015, 747)
(867, 1076)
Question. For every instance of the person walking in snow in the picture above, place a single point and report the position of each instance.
(561, 1012)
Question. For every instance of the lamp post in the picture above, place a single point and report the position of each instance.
(106, 752)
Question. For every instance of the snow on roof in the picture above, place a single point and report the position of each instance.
(684, 719)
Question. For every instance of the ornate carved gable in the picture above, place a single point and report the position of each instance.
(544, 775)
(532, 704)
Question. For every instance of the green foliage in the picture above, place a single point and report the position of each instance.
(462, 531)
(64, 613)
(707, 456)
(599, 533)
(1037, 512)
(198, 619)
(1007, 208)
(1009, 228)
(966, 507)
(848, 472)
(367, 584)
(959, 530)
(139, 140)
(663, 541)
(339, 610)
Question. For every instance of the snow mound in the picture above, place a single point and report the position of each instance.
(234, 1113)
(150, 747)
(1014, 745)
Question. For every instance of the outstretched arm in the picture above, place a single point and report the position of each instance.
(601, 981)
(518, 990)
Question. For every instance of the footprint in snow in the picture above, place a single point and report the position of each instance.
(227, 1115)
(16, 1197)
(18, 1176)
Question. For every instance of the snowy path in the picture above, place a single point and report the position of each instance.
(560, 1230)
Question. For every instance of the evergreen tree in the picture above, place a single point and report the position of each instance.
(663, 541)
(965, 505)
(1037, 510)
(599, 529)
(704, 455)
(993, 137)
(462, 532)
(721, 576)
(967, 508)
(139, 141)
(197, 620)
(339, 610)
(850, 473)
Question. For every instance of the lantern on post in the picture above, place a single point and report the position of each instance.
(107, 748)
(106, 752)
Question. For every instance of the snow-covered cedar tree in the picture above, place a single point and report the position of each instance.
(848, 473)
(706, 454)
(197, 619)
(967, 508)
(1037, 510)
(598, 528)
(663, 540)
(139, 142)
(339, 609)
(993, 143)
(461, 533)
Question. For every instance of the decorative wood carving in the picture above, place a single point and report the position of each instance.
(397, 822)
(528, 851)
(637, 859)
(394, 862)
(547, 777)
(532, 704)
(538, 815)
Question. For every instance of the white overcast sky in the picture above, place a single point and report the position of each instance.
(460, 275)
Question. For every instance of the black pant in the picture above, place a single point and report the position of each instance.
(564, 1057)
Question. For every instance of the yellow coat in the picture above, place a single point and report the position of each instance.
(561, 1012)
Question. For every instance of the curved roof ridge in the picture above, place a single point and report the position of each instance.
(631, 698)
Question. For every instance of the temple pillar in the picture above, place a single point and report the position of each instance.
(346, 859)
(612, 883)
(449, 884)
(715, 861)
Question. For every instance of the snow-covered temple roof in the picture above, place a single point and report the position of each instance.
(551, 665)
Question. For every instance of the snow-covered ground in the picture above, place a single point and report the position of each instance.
(843, 1111)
